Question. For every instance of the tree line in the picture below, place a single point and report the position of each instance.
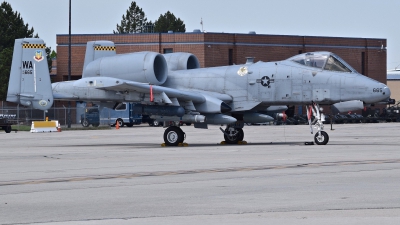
(135, 21)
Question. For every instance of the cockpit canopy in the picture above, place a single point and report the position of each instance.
(323, 60)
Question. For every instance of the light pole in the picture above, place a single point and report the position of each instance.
(69, 65)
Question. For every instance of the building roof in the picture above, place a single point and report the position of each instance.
(393, 74)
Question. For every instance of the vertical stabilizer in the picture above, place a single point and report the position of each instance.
(30, 83)
(96, 50)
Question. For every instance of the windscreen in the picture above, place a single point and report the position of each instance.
(334, 64)
(322, 60)
(316, 60)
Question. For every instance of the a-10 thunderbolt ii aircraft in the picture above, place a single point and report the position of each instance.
(172, 87)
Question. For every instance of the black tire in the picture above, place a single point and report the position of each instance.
(241, 133)
(235, 138)
(173, 136)
(7, 129)
(120, 122)
(156, 123)
(85, 122)
(96, 124)
(188, 124)
(129, 124)
(324, 138)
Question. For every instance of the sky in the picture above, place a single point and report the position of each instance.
(333, 18)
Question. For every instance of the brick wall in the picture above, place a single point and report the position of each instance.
(212, 49)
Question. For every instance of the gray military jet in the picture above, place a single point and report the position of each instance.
(172, 87)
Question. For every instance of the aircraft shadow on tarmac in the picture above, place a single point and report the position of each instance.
(204, 145)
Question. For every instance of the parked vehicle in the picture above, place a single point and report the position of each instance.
(122, 115)
(5, 125)
(90, 117)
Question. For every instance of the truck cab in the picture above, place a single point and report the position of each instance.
(121, 114)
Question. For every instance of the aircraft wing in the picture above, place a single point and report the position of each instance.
(166, 93)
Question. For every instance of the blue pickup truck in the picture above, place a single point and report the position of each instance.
(122, 115)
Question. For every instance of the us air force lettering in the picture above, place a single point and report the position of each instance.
(172, 87)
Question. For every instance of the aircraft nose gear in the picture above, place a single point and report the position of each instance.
(321, 137)
(233, 135)
(173, 136)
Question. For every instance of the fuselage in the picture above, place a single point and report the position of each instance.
(299, 80)
(282, 83)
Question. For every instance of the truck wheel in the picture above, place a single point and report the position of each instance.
(156, 123)
(96, 124)
(7, 129)
(129, 124)
(85, 123)
(121, 122)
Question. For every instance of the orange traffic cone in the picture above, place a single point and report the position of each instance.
(117, 125)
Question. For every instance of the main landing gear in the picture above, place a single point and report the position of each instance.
(233, 135)
(321, 137)
(173, 136)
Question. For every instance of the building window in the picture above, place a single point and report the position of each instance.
(230, 56)
(168, 50)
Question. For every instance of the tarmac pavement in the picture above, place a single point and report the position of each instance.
(124, 176)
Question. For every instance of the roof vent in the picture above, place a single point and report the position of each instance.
(196, 31)
(252, 32)
(250, 60)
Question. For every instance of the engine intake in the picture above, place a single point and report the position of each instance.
(181, 61)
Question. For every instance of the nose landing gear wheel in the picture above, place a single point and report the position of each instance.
(173, 136)
(323, 140)
(235, 135)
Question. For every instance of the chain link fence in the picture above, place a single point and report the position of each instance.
(78, 116)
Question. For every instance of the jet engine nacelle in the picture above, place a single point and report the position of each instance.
(144, 67)
(181, 61)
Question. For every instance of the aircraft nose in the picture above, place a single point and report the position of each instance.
(377, 92)
(386, 91)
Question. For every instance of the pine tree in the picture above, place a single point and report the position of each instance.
(135, 21)
(12, 26)
(168, 22)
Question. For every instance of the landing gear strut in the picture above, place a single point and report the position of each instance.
(321, 137)
(233, 135)
(173, 135)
